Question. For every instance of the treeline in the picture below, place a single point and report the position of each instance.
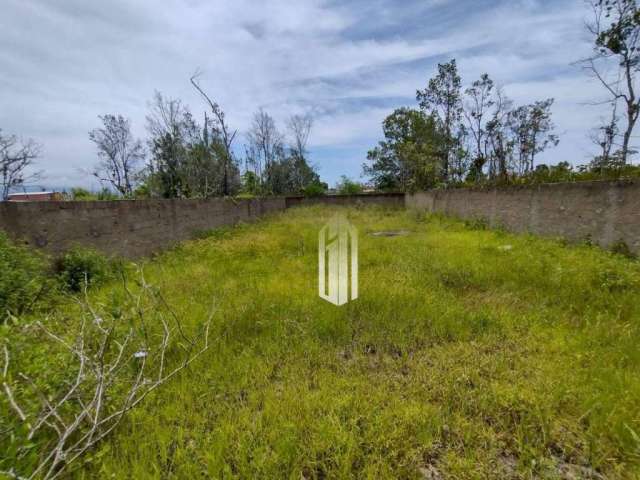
(188, 159)
(183, 157)
(457, 136)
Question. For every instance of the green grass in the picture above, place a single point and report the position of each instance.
(459, 357)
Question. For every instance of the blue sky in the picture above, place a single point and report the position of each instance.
(348, 63)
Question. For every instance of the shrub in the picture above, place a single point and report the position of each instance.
(81, 265)
(107, 195)
(81, 194)
(346, 186)
(315, 189)
(24, 281)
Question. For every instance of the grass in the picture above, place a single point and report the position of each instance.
(470, 353)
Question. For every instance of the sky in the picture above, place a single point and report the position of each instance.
(348, 63)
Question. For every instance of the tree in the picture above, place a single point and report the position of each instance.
(479, 103)
(222, 132)
(410, 156)
(532, 128)
(442, 99)
(119, 152)
(605, 138)
(171, 126)
(16, 157)
(299, 127)
(265, 149)
(616, 31)
(346, 186)
(499, 140)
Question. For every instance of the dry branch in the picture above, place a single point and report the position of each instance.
(117, 366)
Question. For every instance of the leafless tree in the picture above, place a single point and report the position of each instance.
(221, 129)
(299, 127)
(266, 143)
(120, 153)
(15, 159)
(616, 30)
(165, 116)
(117, 362)
(605, 137)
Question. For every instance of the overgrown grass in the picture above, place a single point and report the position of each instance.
(471, 353)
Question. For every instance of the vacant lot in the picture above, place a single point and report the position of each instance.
(469, 354)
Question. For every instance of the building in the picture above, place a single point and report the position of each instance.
(35, 197)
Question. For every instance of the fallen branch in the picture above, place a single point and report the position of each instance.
(116, 369)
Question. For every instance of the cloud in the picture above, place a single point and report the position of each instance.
(348, 62)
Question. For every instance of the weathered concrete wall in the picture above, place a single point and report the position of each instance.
(127, 228)
(384, 199)
(604, 212)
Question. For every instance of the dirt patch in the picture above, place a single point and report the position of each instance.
(390, 233)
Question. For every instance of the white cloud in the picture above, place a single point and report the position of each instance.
(65, 63)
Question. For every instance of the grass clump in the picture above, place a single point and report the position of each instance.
(83, 266)
(25, 281)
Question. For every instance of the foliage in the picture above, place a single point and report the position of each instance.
(442, 99)
(82, 267)
(107, 195)
(315, 189)
(187, 160)
(346, 186)
(25, 282)
(272, 166)
(82, 194)
(471, 137)
(410, 157)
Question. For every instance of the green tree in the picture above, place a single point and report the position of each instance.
(532, 128)
(346, 186)
(477, 112)
(410, 156)
(442, 99)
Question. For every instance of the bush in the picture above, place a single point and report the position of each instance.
(346, 186)
(81, 265)
(24, 281)
(81, 194)
(315, 189)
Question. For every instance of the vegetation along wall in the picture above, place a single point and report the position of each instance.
(605, 213)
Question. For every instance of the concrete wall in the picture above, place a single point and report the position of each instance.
(384, 199)
(127, 228)
(605, 212)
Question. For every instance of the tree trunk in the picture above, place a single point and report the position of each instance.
(632, 116)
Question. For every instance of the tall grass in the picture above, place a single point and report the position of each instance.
(471, 353)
